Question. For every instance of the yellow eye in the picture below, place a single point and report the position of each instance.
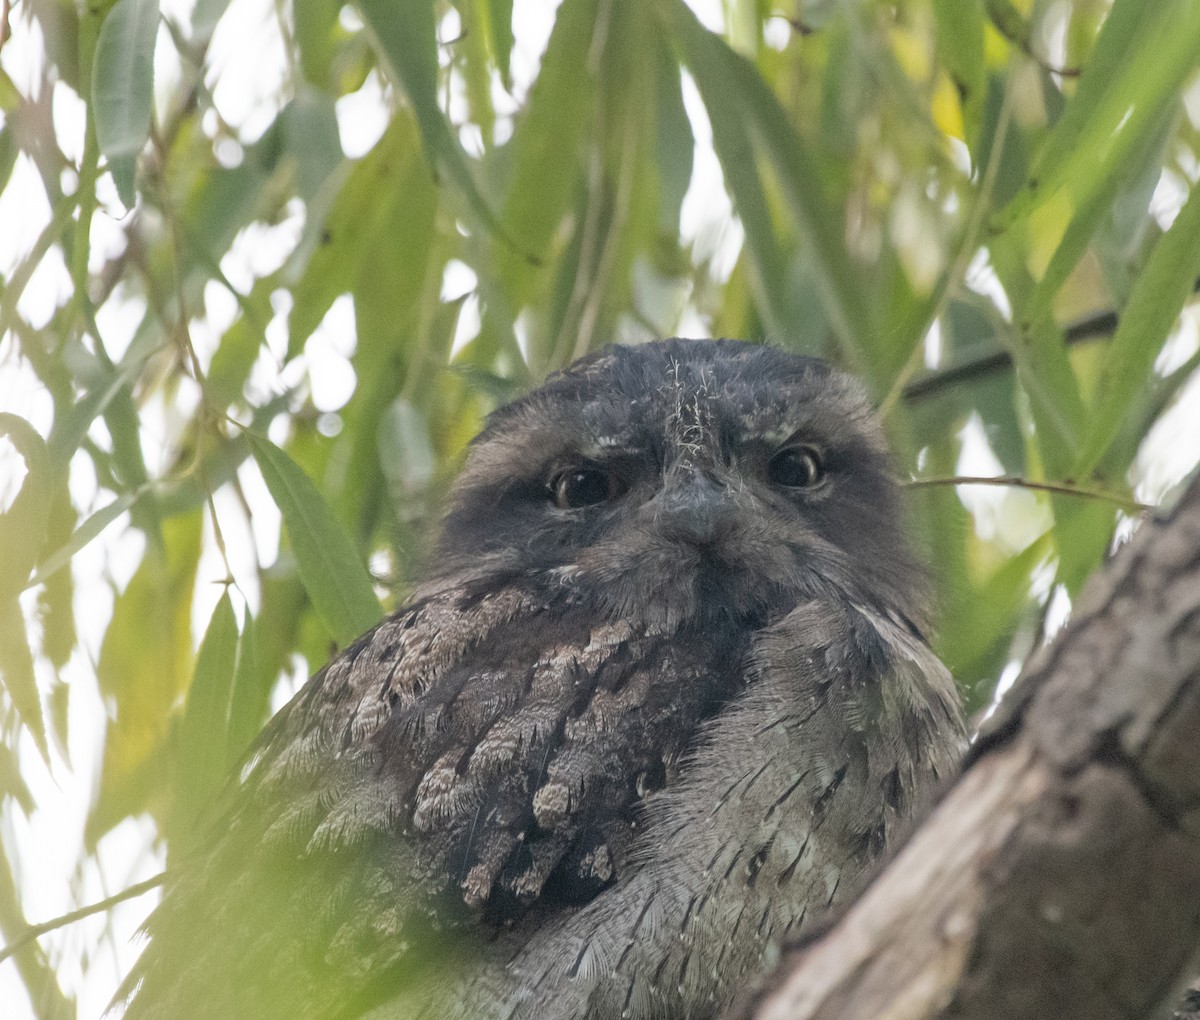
(797, 467)
(584, 486)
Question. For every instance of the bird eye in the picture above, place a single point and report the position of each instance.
(583, 486)
(797, 467)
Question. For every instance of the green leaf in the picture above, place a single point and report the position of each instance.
(249, 699)
(310, 137)
(332, 573)
(740, 105)
(1083, 532)
(201, 764)
(144, 669)
(400, 344)
(82, 535)
(123, 87)
(235, 357)
(387, 194)
(978, 628)
(16, 670)
(1138, 177)
(316, 31)
(960, 44)
(12, 783)
(1039, 353)
(223, 201)
(56, 599)
(1008, 21)
(405, 452)
(33, 966)
(545, 172)
(674, 142)
(500, 36)
(23, 525)
(9, 150)
(205, 15)
(217, 466)
(474, 64)
(767, 261)
(129, 463)
(1144, 55)
(72, 426)
(1155, 301)
(406, 37)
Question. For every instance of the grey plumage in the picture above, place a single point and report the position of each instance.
(664, 698)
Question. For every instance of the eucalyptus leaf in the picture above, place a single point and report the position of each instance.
(332, 573)
(23, 525)
(144, 669)
(84, 534)
(201, 761)
(749, 110)
(406, 38)
(123, 87)
(16, 671)
(1157, 296)
(249, 698)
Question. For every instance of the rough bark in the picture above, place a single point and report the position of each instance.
(1060, 875)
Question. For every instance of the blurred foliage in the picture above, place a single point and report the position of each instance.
(960, 200)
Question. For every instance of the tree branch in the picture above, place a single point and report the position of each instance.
(1060, 876)
(1098, 326)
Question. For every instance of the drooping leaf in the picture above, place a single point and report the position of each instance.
(545, 167)
(405, 451)
(23, 525)
(205, 15)
(674, 141)
(56, 599)
(12, 782)
(310, 137)
(1158, 295)
(744, 109)
(123, 87)
(406, 37)
(500, 35)
(388, 194)
(316, 38)
(16, 670)
(978, 628)
(333, 574)
(1140, 173)
(144, 669)
(960, 35)
(1143, 56)
(200, 755)
(250, 695)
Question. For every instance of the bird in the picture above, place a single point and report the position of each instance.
(664, 697)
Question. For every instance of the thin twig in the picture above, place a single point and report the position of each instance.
(36, 931)
(1126, 503)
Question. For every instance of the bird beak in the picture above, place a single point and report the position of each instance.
(694, 506)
